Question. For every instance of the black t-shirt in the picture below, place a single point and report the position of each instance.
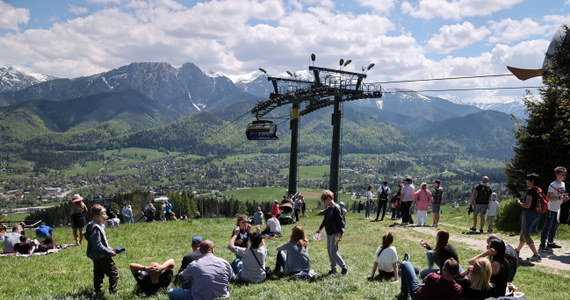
(446, 253)
(534, 194)
(190, 257)
(23, 248)
(467, 293)
(147, 287)
(483, 193)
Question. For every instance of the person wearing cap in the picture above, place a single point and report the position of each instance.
(100, 252)
(76, 211)
(154, 277)
(192, 256)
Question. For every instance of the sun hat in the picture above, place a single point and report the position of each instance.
(76, 198)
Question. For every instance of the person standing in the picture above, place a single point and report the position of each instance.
(436, 201)
(333, 222)
(479, 201)
(422, 199)
(127, 213)
(298, 205)
(76, 211)
(406, 195)
(494, 208)
(368, 204)
(169, 214)
(149, 211)
(396, 204)
(383, 196)
(556, 194)
(100, 252)
(529, 218)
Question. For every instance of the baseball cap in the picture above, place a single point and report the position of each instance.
(197, 239)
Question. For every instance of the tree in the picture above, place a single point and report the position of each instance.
(543, 141)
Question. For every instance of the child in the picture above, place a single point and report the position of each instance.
(99, 251)
(492, 209)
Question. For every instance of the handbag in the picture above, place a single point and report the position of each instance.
(267, 270)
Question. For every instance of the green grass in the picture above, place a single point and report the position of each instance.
(310, 172)
(68, 274)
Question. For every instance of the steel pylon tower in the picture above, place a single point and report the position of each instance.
(328, 87)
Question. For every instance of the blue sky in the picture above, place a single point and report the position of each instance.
(408, 39)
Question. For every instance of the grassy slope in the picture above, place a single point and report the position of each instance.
(67, 275)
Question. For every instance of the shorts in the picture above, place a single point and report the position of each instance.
(490, 219)
(480, 209)
(435, 208)
(529, 221)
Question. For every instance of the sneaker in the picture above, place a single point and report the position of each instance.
(535, 258)
(434, 225)
(331, 272)
(542, 247)
(553, 246)
(481, 230)
(406, 257)
(567, 252)
(473, 229)
(344, 271)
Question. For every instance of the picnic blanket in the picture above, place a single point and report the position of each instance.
(50, 251)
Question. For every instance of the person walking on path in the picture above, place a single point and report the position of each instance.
(76, 211)
(556, 194)
(406, 195)
(437, 196)
(494, 208)
(333, 222)
(383, 196)
(529, 218)
(479, 201)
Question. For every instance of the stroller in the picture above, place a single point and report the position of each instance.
(286, 216)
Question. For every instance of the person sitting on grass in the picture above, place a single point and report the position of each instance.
(258, 216)
(293, 255)
(25, 246)
(478, 284)
(272, 227)
(192, 256)
(249, 266)
(386, 259)
(154, 277)
(46, 244)
(510, 255)
(438, 255)
(12, 238)
(499, 265)
(242, 230)
(435, 286)
(206, 278)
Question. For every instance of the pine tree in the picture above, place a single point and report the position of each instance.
(543, 141)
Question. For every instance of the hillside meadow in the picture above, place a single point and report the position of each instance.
(68, 275)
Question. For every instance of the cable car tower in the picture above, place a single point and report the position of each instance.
(328, 87)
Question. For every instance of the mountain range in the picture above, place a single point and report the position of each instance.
(156, 105)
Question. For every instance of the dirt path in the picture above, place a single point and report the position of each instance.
(556, 260)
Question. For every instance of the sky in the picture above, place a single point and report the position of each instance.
(406, 39)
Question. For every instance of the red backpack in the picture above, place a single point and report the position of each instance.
(541, 204)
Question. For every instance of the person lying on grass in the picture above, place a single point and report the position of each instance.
(154, 277)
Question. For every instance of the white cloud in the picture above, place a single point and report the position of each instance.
(509, 30)
(78, 10)
(12, 16)
(380, 6)
(455, 9)
(454, 37)
(103, 1)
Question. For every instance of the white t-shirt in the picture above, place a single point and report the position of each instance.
(492, 208)
(274, 225)
(386, 258)
(369, 195)
(557, 189)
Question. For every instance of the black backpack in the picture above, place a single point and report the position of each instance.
(483, 194)
(564, 215)
(384, 194)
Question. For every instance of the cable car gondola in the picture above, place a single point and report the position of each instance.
(261, 130)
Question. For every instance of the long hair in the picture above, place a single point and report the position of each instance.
(480, 276)
(442, 240)
(298, 236)
(500, 247)
(241, 218)
(370, 187)
(387, 240)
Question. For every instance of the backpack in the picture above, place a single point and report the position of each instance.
(564, 214)
(483, 194)
(540, 205)
(384, 194)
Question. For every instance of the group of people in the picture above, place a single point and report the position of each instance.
(401, 202)
(16, 242)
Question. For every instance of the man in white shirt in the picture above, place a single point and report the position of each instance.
(556, 194)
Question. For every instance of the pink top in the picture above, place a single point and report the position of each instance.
(275, 209)
(422, 199)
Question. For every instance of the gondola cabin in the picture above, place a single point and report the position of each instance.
(261, 130)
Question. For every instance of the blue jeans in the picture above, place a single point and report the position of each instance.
(180, 294)
(432, 259)
(237, 267)
(550, 227)
(410, 283)
(367, 209)
(280, 261)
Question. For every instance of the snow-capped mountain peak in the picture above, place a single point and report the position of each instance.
(16, 78)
